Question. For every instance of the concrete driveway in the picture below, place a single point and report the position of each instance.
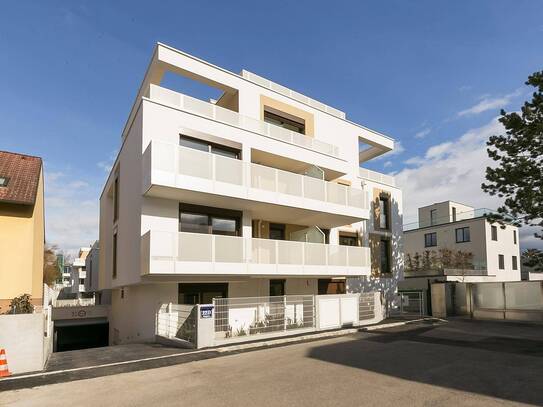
(458, 363)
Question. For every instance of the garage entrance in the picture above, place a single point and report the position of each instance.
(73, 336)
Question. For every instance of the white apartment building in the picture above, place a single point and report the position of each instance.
(456, 242)
(258, 193)
(78, 271)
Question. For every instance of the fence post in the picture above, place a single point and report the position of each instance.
(504, 302)
(284, 312)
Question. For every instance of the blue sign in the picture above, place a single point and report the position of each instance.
(206, 311)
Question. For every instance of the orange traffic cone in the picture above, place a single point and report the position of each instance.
(4, 371)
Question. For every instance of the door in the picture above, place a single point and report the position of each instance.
(276, 316)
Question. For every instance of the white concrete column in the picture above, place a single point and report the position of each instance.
(334, 236)
(247, 233)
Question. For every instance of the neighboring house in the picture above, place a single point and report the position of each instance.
(257, 193)
(22, 231)
(78, 271)
(455, 242)
(64, 279)
(91, 266)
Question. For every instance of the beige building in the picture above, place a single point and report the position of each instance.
(22, 231)
(456, 242)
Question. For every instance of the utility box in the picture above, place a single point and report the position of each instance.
(441, 300)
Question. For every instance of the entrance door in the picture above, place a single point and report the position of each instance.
(276, 317)
(201, 293)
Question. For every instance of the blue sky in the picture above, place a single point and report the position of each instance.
(431, 74)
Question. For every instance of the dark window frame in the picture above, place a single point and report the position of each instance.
(430, 239)
(385, 267)
(273, 118)
(343, 238)
(384, 203)
(116, 199)
(494, 233)
(213, 148)
(5, 181)
(463, 230)
(514, 262)
(211, 213)
(514, 237)
(501, 262)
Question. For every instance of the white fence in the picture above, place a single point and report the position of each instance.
(408, 303)
(177, 321)
(188, 162)
(232, 118)
(377, 177)
(251, 318)
(76, 302)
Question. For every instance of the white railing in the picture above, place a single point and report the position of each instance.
(376, 176)
(198, 247)
(77, 302)
(189, 162)
(232, 118)
(176, 321)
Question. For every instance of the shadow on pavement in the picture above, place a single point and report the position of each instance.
(497, 366)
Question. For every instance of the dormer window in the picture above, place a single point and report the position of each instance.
(4, 181)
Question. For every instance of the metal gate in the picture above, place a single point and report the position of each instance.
(407, 303)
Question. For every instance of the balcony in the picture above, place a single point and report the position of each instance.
(175, 172)
(168, 253)
(232, 118)
(376, 177)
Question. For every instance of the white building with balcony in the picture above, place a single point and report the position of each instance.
(78, 271)
(258, 193)
(456, 242)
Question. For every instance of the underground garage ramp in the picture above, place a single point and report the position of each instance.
(73, 335)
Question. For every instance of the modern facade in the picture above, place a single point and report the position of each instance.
(456, 242)
(22, 232)
(259, 192)
(78, 271)
(91, 267)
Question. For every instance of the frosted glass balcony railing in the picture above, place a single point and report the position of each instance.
(232, 118)
(196, 247)
(189, 162)
(376, 176)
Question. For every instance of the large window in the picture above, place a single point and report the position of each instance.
(514, 262)
(384, 249)
(277, 231)
(494, 232)
(203, 219)
(383, 212)
(208, 147)
(430, 239)
(287, 123)
(462, 235)
(277, 287)
(501, 262)
(348, 240)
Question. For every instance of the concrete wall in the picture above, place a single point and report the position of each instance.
(21, 250)
(22, 336)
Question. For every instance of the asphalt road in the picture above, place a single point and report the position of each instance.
(458, 363)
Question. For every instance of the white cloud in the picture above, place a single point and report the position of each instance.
(107, 165)
(423, 133)
(454, 171)
(488, 103)
(387, 164)
(71, 212)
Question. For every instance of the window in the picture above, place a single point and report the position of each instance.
(277, 287)
(494, 232)
(116, 199)
(454, 214)
(348, 240)
(514, 237)
(284, 122)
(208, 147)
(462, 235)
(430, 239)
(384, 249)
(514, 262)
(501, 262)
(383, 212)
(277, 231)
(114, 268)
(329, 286)
(4, 181)
(202, 219)
(81, 281)
(433, 216)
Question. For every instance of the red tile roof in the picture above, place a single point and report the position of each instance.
(23, 173)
